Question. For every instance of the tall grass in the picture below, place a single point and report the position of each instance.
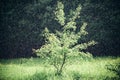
(75, 69)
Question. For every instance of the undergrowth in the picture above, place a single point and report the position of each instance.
(76, 69)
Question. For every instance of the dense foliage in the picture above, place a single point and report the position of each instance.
(22, 23)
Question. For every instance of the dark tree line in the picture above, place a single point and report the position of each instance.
(22, 22)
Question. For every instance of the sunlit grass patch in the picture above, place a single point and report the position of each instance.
(12, 71)
(75, 69)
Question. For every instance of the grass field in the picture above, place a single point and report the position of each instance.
(75, 69)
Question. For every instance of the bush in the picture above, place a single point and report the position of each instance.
(59, 45)
(114, 68)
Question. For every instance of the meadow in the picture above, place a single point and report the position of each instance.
(98, 68)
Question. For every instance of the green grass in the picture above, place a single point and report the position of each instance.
(75, 69)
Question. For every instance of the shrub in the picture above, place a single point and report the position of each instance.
(63, 43)
(116, 69)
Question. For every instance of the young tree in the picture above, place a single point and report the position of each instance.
(63, 43)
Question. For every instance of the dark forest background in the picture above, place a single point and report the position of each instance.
(22, 23)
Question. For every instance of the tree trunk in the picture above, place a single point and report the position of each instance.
(63, 62)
